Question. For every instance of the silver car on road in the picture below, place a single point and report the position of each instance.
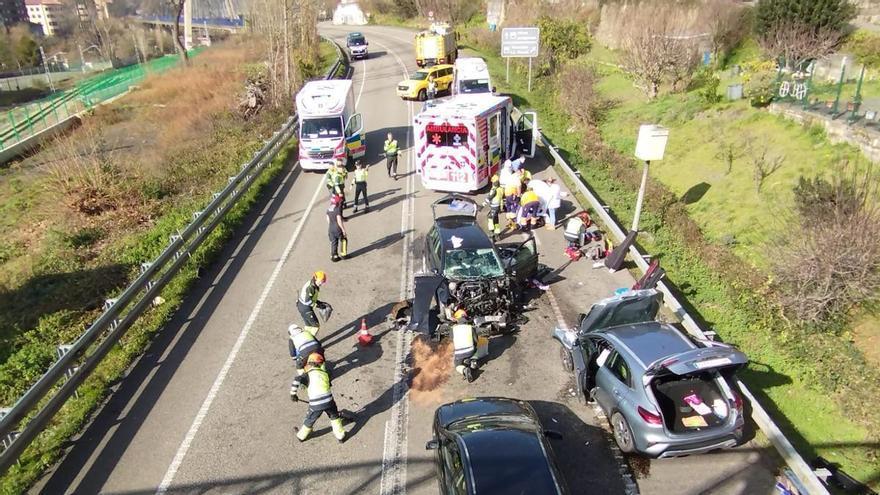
(665, 394)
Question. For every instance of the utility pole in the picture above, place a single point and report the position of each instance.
(46, 68)
(82, 58)
(286, 45)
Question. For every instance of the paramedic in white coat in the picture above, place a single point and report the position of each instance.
(554, 201)
(508, 176)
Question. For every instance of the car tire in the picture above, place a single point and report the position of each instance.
(566, 359)
(622, 433)
(423, 95)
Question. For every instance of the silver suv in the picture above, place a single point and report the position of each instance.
(357, 46)
(666, 394)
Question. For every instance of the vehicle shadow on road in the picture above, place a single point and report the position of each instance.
(582, 454)
(380, 243)
(148, 378)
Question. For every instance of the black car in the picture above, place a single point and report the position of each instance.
(492, 445)
(357, 45)
(468, 271)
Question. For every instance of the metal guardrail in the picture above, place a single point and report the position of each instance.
(78, 360)
(795, 462)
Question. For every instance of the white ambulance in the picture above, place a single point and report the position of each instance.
(329, 127)
(462, 140)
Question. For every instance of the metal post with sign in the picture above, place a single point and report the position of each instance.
(650, 146)
(520, 42)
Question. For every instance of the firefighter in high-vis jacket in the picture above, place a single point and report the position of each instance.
(308, 302)
(495, 199)
(317, 381)
(334, 179)
(301, 344)
(464, 346)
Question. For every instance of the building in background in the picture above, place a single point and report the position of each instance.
(46, 13)
(12, 12)
(85, 9)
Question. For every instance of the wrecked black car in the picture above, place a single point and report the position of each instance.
(467, 270)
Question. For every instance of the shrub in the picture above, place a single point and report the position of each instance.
(829, 260)
(706, 82)
(563, 39)
(579, 97)
(865, 46)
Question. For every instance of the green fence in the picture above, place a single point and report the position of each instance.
(24, 121)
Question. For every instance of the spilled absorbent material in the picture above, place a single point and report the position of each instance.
(431, 368)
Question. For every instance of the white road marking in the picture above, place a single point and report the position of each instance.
(394, 452)
(221, 376)
(230, 359)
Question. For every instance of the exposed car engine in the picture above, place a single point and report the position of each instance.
(490, 301)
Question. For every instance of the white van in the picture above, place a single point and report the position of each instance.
(461, 141)
(329, 127)
(471, 76)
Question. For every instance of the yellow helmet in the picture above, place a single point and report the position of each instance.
(320, 277)
(495, 178)
(460, 314)
(315, 359)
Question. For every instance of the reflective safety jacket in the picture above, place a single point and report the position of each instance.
(360, 175)
(318, 382)
(496, 196)
(305, 343)
(335, 178)
(574, 227)
(308, 295)
(463, 341)
(391, 148)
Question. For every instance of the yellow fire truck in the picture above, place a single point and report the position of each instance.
(437, 45)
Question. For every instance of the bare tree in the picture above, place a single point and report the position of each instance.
(178, 6)
(726, 23)
(728, 152)
(764, 163)
(796, 42)
(659, 45)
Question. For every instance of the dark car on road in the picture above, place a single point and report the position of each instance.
(666, 394)
(492, 445)
(466, 270)
(357, 45)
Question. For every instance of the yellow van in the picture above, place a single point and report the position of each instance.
(416, 87)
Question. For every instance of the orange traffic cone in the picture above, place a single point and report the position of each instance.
(364, 337)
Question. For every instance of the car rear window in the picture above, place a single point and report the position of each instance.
(510, 461)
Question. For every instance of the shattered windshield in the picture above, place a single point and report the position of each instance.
(472, 264)
(325, 127)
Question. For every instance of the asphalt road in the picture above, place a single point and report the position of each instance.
(206, 410)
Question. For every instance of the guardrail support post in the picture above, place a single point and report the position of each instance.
(60, 351)
(7, 441)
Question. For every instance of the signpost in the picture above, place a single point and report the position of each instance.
(650, 146)
(520, 42)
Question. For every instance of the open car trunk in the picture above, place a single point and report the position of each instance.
(690, 403)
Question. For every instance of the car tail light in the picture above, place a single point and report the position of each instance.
(649, 417)
(737, 402)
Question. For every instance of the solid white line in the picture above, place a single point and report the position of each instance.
(221, 376)
(393, 481)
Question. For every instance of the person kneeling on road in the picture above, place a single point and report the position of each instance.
(530, 205)
(317, 381)
(308, 301)
(464, 343)
(301, 344)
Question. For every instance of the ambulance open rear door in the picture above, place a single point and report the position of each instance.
(354, 136)
(526, 133)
